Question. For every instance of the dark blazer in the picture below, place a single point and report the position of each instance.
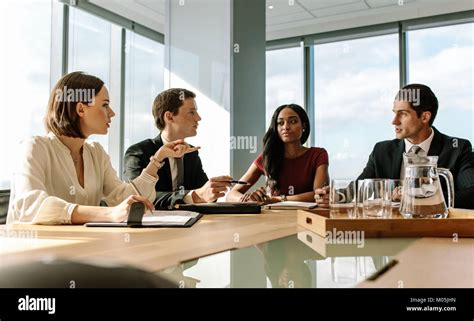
(137, 158)
(455, 154)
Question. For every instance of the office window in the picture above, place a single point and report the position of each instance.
(442, 58)
(25, 32)
(201, 65)
(89, 51)
(285, 79)
(144, 80)
(355, 83)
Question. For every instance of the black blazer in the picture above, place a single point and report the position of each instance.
(137, 158)
(455, 154)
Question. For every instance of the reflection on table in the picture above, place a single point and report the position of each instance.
(304, 260)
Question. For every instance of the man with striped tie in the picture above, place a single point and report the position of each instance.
(415, 109)
(182, 180)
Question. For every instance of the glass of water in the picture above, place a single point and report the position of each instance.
(342, 196)
(374, 197)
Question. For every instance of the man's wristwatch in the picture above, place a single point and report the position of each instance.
(155, 162)
(283, 198)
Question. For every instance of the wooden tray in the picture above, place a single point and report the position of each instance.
(460, 223)
(369, 247)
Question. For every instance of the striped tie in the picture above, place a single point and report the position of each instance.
(414, 150)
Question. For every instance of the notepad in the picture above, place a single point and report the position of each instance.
(168, 218)
(291, 205)
(138, 218)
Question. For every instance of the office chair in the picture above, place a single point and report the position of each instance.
(4, 199)
(63, 273)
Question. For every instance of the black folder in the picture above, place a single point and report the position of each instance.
(136, 219)
(221, 208)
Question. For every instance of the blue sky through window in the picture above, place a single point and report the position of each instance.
(443, 58)
(355, 82)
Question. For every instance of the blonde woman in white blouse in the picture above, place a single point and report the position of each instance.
(61, 178)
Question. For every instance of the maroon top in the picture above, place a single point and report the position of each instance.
(298, 172)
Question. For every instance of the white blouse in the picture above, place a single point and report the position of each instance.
(45, 188)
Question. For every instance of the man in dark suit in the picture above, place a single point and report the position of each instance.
(181, 180)
(415, 109)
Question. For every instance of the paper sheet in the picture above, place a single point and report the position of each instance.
(168, 217)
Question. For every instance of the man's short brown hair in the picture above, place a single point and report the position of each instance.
(427, 100)
(61, 117)
(169, 100)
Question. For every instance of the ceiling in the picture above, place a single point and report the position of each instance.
(315, 16)
(289, 18)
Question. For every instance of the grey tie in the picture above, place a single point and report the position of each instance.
(414, 150)
(180, 172)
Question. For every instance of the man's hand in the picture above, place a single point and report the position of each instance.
(321, 196)
(397, 194)
(176, 149)
(214, 188)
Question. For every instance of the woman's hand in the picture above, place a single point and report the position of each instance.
(176, 149)
(321, 196)
(120, 212)
(258, 195)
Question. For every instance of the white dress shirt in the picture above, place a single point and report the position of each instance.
(188, 199)
(46, 190)
(424, 145)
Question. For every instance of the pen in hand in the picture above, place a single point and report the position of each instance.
(239, 182)
(135, 188)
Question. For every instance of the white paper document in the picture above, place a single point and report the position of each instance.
(168, 217)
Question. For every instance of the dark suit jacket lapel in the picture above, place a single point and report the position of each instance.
(188, 166)
(436, 144)
(397, 159)
(165, 172)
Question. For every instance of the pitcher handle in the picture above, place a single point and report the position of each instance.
(450, 182)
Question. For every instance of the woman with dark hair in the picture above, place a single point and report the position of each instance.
(292, 171)
(62, 179)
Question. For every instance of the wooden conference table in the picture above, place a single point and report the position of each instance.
(421, 262)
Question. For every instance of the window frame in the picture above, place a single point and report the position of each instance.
(309, 42)
(59, 67)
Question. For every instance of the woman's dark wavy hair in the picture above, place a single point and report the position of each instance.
(273, 148)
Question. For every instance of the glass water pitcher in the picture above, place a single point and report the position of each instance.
(422, 196)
